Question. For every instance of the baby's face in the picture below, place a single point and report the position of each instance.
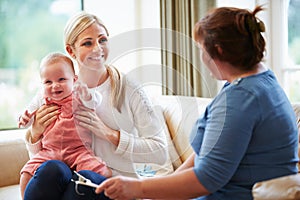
(58, 80)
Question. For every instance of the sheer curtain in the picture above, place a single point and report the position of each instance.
(182, 71)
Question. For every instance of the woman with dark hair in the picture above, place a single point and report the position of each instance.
(247, 134)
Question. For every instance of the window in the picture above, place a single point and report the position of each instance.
(29, 30)
(292, 68)
(240, 4)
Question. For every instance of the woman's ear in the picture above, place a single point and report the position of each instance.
(70, 51)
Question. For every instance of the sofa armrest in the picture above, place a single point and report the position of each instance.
(13, 156)
(281, 188)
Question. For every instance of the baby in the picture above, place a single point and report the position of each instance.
(62, 140)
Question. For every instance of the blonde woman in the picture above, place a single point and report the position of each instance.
(125, 127)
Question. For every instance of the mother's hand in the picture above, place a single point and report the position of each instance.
(87, 118)
(44, 116)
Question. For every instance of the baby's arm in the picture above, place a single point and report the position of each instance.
(82, 92)
(25, 120)
(90, 98)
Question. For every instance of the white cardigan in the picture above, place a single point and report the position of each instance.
(142, 136)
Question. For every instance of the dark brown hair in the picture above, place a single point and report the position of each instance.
(237, 32)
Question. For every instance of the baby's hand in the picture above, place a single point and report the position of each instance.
(25, 118)
(82, 92)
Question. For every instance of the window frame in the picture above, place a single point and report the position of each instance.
(279, 60)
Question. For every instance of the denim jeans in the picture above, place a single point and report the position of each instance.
(52, 181)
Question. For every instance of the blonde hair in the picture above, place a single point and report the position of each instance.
(74, 27)
(57, 57)
(77, 24)
(117, 87)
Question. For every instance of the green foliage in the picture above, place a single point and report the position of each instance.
(293, 20)
(29, 30)
(294, 50)
(294, 30)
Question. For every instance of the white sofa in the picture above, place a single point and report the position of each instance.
(179, 113)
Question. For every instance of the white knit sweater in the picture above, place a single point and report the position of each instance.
(142, 136)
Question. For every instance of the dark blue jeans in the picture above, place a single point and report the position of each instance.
(52, 181)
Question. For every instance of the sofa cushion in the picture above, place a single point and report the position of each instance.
(181, 113)
(173, 154)
(13, 155)
(296, 107)
(282, 188)
(11, 192)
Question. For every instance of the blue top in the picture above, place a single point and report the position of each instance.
(247, 134)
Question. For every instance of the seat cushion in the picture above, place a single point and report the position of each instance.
(11, 192)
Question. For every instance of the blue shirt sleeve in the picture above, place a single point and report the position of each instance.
(226, 127)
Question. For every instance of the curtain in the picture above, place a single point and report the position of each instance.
(182, 71)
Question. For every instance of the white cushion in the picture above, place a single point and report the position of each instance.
(282, 188)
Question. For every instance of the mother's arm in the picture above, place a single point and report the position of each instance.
(149, 145)
(89, 119)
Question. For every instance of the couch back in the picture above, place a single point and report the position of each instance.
(180, 113)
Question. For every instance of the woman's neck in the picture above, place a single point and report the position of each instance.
(259, 68)
(91, 77)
